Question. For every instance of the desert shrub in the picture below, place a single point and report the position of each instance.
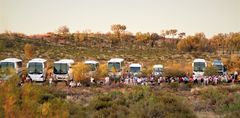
(9, 95)
(147, 71)
(102, 71)
(76, 110)
(174, 73)
(141, 102)
(112, 104)
(2, 45)
(162, 105)
(174, 86)
(80, 71)
(29, 101)
(210, 71)
(214, 96)
(28, 51)
(186, 87)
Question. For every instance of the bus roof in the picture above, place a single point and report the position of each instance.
(11, 60)
(37, 60)
(68, 61)
(91, 62)
(199, 60)
(135, 65)
(158, 66)
(116, 60)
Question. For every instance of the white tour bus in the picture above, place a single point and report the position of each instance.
(37, 70)
(92, 64)
(62, 70)
(199, 66)
(135, 69)
(158, 70)
(11, 63)
(117, 64)
(219, 66)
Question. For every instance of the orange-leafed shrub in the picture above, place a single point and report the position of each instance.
(80, 71)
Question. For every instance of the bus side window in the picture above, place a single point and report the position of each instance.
(19, 64)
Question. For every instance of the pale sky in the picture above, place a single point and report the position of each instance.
(190, 16)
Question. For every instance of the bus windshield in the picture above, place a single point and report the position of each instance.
(6, 65)
(135, 69)
(199, 67)
(158, 69)
(115, 65)
(219, 67)
(35, 68)
(60, 69)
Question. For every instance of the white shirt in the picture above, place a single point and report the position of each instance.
(106, 79)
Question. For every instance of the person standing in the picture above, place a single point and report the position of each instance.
(235, 76)
(107, 80)
(206, 80)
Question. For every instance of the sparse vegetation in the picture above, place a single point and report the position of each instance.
(166, 100)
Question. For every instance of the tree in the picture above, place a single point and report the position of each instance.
(28, 51)
(102, 71)
(118, 30)
(63, 33)
(173, 32)
(198, 42)
(142, 38)
(63, 30)
(80, 71)
(154, 38)
(163, 34)
(181, 35)
(233, 42)
(218, 41)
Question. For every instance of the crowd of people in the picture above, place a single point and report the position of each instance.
(203, 80)
(153, 80)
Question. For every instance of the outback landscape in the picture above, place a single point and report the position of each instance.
(119, 58)
(119, 100)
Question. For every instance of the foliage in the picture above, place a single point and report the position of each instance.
(63, 30)
(28, 51)
(29, 101)
(139, 103)
(210, 71)
(198, 42)
(147, 70)
(80, 71)
(174, 73)
(102, 71)
(222, 100)
(2, 45)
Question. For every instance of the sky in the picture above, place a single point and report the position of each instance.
(189, 16)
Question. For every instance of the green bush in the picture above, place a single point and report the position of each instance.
(2, 45)
(174, 86)
(220, 100)
(210, 71)
(141, 102)
(174, 73)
